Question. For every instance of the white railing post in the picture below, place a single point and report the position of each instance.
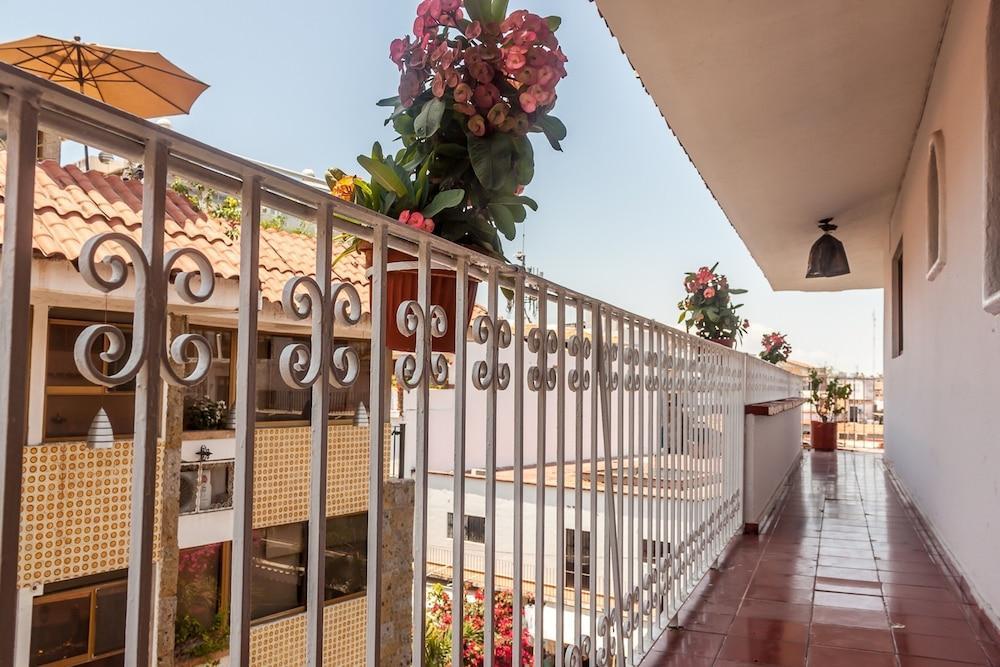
(458, 501)
(15, 308)
(150, 310)
(246, 418)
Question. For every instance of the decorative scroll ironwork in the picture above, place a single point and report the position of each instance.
(578, 346)
(496, 335)
(411, 321)
(184, 349)
(630, 355)
(298, 366)
(543, 344)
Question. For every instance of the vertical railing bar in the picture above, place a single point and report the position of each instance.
(620, 393)
(578, 486)
(604, 386)
(661, 515)
(641, 428)
(246, 395)
(491, 471)
(650, 549)
(687, 447)
(458, 508)
(152, 311)
(422, 351)
(594, 477)
(320, 436)
(672, 456)
(518, 381)
(15, 308)
(380, 360)
(561, 466)
(542, 360)
(632, 487)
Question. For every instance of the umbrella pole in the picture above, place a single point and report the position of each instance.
(86, 157)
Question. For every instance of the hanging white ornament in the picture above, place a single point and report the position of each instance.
(101, 435)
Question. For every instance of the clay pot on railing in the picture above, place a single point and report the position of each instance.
(401, 285)
(823, 435)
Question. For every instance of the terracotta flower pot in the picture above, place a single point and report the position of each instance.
(726, 342)
(823, 435)
(401, 285)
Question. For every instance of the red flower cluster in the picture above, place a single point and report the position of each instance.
(776, 347)
(498, 75)
(440, 616)
(417, 220)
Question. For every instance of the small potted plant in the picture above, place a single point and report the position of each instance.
(776, 348)
(830, 402)
(474, 83)
(708, 307)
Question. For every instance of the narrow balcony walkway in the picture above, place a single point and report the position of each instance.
(843, 576)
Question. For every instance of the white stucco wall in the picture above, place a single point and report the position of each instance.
(772, 446)
(941, 392)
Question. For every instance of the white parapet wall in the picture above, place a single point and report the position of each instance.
(772, 448)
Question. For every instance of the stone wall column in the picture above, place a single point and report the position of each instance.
(397, 577)
(173, 426)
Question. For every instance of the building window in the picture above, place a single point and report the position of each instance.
(72, 401)
(81, 625)
(475, 528)
(897, 300)
(202, 582)
(278, 570)
(991, 248)
(206, 404)
(206, 486)
(218, 388)
(935, 207)
(569, 559)
(346, 555)
(663, 549)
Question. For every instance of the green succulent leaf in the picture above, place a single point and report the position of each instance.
(492, 160)
(554, 22)
(499, 11)
(384, 175)
(428, 121)
(442, 200)
(519, 200)
(554, 130)
(388, 102)
(504, 220)
(525, 160)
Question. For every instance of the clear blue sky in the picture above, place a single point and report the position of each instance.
(622, 215)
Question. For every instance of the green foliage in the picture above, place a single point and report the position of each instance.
(193, 640)
(830, 400)
(205, 414)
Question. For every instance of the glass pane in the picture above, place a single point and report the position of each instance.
(278, 569)
(475, 529)
(109, 630)
(61, 368)
(216, 486)
(189, 488)
(345, 402)
(275, 400)
(199, 575)
(70, 416)
(346, 555)
(60, 629)
(216, 386)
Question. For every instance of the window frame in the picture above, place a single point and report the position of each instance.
(198, 465)
(225, 573)
(450, 529)
(77, 390)
(896, 300)
(356, 594)
(569, 575)
(936, 211)
(90, 591)
(292, 611)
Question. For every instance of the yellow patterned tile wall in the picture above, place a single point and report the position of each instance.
(282, 643)
(75, 510)
(281, 473)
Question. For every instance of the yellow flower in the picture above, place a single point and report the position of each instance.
(344, 188)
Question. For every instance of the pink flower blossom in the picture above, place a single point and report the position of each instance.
(709, 292)
(477, 125)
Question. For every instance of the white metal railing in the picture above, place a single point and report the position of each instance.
(659, 400)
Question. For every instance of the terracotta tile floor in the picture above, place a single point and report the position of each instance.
(840, 577)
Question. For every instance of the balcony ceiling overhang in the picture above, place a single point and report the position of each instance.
(792, 112)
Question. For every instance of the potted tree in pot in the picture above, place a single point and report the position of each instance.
(708, 307)
(474, 83)
(830, 402)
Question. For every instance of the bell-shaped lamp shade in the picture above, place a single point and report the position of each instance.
(827, 257)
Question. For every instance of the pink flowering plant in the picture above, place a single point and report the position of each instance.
(437, 652)
(474, 83)
(708, 309)
(776, 348)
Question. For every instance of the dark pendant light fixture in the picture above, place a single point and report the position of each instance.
(827, 257)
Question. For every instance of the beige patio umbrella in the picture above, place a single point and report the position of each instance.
(143, 83)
